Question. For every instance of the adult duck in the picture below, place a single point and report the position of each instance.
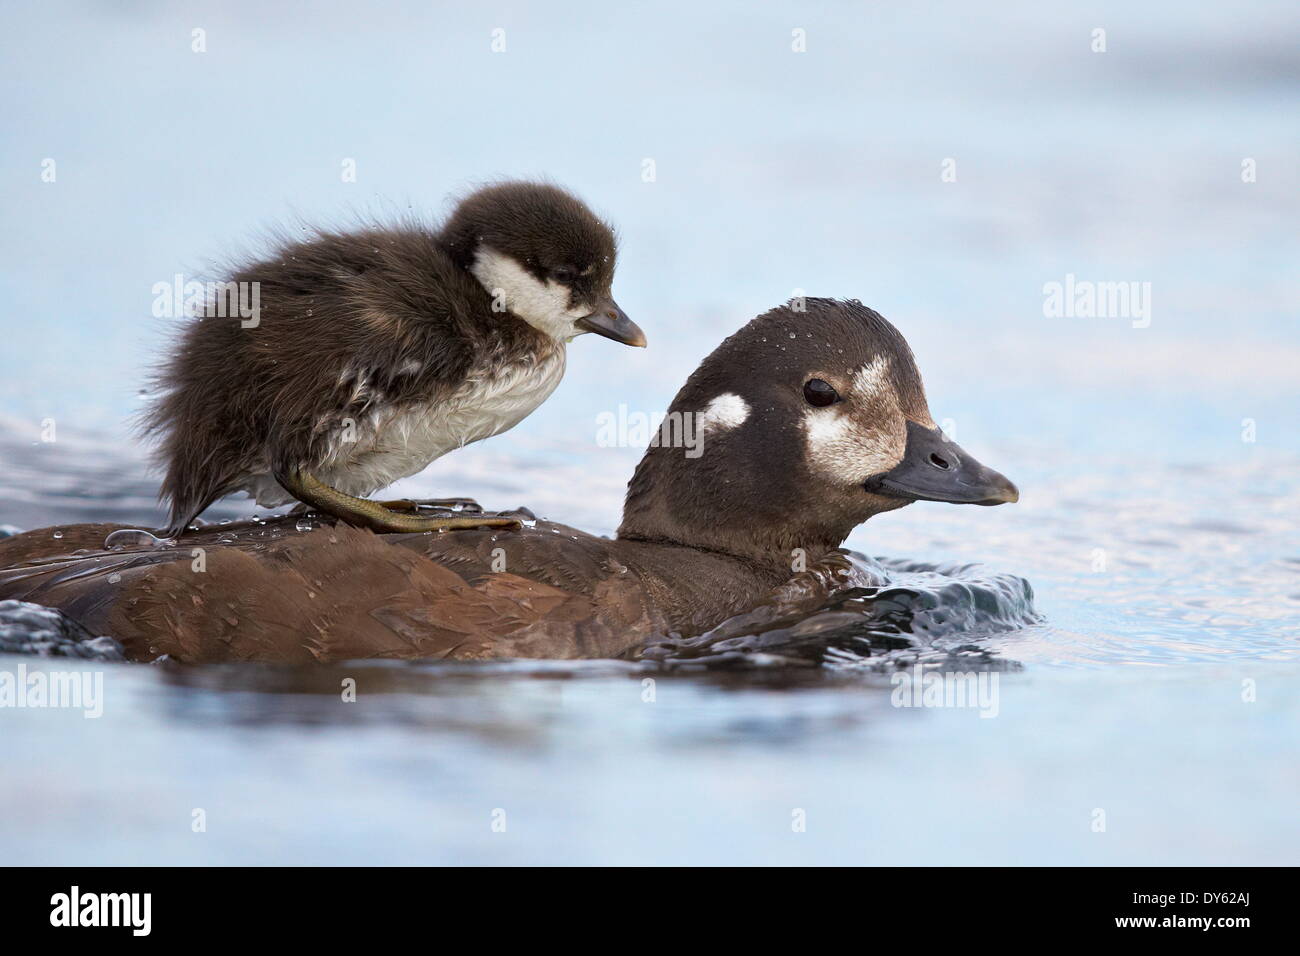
(806, 422)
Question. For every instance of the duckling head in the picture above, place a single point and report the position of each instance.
(807, 422)
(544, 256)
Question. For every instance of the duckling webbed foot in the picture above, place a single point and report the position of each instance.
(412, 505)
(377, 515)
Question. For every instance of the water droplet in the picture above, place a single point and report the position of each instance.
(304, 524)
(58, 534)
(792, 335)
(133, 539)
(114, 578)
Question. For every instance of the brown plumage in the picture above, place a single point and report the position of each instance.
(783, 477)
(373, 352)
(338, 593)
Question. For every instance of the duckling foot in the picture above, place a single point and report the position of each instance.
(376, 515)
(413, 505)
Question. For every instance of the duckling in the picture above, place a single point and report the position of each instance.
(372, 353)
(808, 423)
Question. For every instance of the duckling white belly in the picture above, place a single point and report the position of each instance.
(391, 442)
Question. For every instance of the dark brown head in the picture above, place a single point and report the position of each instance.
(805, 424)
(544, 256)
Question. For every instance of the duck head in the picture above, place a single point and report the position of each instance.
(808, 421)
(545, 256)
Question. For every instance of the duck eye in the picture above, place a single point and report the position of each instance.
(563, 274)
(820, 393)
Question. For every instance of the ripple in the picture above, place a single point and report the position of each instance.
(926, 613)
(44, 632)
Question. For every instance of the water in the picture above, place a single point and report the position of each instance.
(711, 772)
(1151, 678)
(1125, 696)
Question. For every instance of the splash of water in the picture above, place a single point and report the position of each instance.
(909, 612)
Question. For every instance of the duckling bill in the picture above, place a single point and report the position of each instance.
(375, 352)
(812, 422)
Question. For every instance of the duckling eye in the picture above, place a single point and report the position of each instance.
(563, 274)
(820, 393)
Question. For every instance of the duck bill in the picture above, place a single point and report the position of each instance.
(935, 469)
(609, 320)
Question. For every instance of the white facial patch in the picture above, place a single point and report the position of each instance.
(543, 305)
(872, 379)
(852, 440)
(725, 412)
